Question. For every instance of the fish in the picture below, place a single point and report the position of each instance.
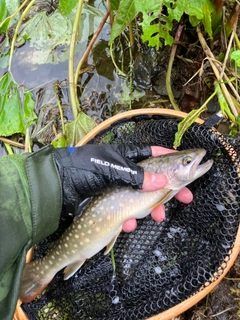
(101, 222)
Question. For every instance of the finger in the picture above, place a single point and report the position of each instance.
(184, 195)
(159, 151)
(129, 225)
(153, 181)
(158, 213)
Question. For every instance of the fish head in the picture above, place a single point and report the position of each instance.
(184, 167)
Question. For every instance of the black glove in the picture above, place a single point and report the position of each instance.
(87, 170)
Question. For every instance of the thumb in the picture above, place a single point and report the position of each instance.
(153, 181)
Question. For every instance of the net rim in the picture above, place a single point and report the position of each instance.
(194, 299)
(129, 114)
(191, 301)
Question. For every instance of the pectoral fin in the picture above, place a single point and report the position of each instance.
(72, 268)
(112, 242)
(167, 196)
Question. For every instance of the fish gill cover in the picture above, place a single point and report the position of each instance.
(160, 264)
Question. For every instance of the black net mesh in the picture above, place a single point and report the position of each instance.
(160, 264)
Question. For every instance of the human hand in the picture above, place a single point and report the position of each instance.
(88, 170)
(152, 182)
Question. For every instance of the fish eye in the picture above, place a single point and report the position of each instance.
(186, 161)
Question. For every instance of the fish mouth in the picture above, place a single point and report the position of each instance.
(200, 169)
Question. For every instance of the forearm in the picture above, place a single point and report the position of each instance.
(30, 208)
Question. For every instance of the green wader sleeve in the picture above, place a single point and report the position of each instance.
(30, 207)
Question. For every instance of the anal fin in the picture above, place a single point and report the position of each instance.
(72, 268)
(112, 242)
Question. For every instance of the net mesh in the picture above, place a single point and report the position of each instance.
(160, 264)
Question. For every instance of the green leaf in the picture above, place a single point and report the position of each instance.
(4, 26)
(155, 24)
(3, 11)
(12, 5)
(16, 114)
(66, 6)
(77, 129)
(236, 127)
(223, 102)
(28, 107)
(200, 11)
(8, 7)
(127, 95)
(127, 11)
(154, 32)
(235, 55)
(47, 33)
(185, 124)
(60, 142)
(114, 5)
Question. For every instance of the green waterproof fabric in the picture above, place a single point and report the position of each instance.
(30, 206)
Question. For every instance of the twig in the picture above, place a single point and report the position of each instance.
(27, 141)
(13, 143)
(56, 84)
(221, 312)
(111, 15)
(169, 69)
(226, 78)
(216, 70)
(72, 86)
(89, 47)
(227, 52)
(232, 279)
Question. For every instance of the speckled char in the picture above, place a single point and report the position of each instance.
(101, 223)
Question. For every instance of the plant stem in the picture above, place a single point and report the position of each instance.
(16, 33)
(237, 40)
(169, 69)
(110, 12)
(8, 148)
(16, 12)
(72, 86)
(216, 69)
(131, 34)
(89, 47)
(120, 72)
(113, 260)
(227, 52)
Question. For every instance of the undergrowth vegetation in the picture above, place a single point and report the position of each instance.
(156, 24)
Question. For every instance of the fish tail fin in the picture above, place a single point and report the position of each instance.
(30, 286)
